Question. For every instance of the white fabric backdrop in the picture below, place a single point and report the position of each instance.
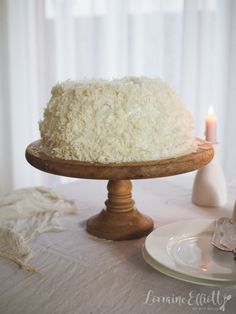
(191, 44)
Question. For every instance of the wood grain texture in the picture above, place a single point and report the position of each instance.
(120, 171)
(120, 220)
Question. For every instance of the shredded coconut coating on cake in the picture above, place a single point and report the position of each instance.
(122, 120)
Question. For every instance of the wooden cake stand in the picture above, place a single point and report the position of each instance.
(120, 220)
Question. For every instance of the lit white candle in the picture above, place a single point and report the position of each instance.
(211, 123)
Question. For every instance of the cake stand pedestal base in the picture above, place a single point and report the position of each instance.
(120, 220)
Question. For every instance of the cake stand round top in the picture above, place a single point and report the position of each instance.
(120, 171)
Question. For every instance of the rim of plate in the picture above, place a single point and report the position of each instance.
(178, 273)
(181, 276)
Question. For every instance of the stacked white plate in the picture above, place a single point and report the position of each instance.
(183, 250)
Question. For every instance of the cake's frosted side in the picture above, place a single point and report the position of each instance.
(123, 120)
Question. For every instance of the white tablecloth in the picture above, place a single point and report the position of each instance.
(82, 274)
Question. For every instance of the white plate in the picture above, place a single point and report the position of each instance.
(183, 250)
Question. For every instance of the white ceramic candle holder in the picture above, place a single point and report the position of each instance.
(209, 188)
(234, 212)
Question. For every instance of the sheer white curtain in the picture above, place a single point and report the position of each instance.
(191, 44)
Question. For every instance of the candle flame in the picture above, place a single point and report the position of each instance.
(211, 110)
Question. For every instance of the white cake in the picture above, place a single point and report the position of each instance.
(122, 120)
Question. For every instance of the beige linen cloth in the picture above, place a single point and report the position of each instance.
(24, 214)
